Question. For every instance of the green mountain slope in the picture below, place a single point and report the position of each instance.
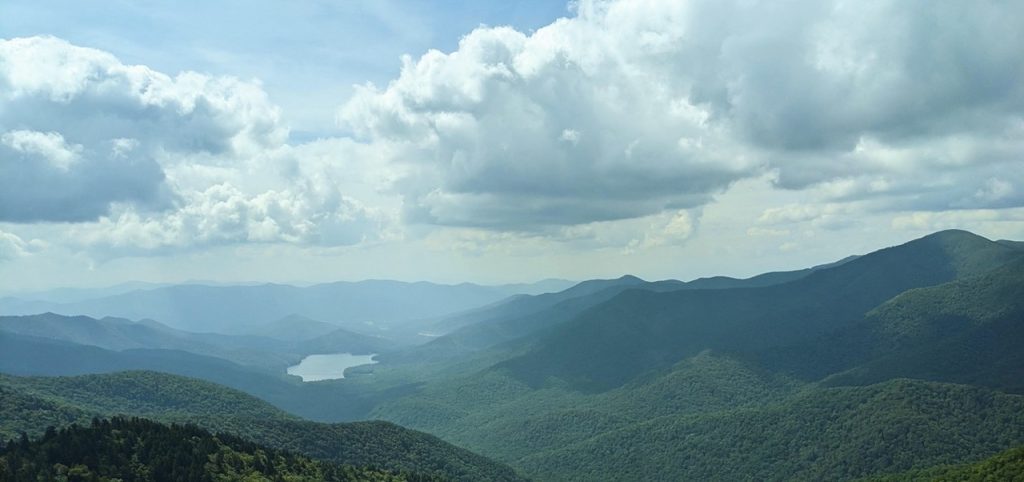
(500, 415)
(139, 449)
(507, 329)
(474, 330)
(331, 400)
(834, 434)
(522, 316)
(1006, 466)
(640, 330)
(965, 331)
(727, 383)
(174, 399)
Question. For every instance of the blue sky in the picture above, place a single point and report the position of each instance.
(497, 141)
(307, 54)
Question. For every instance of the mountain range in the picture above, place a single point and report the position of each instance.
(902, 362)
(31, 404)
(373, 306)
(910, 331)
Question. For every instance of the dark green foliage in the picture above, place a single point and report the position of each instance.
(1006, 466)
(834, 434)
(146, 394)
(965, 331)
(169, 398)
(792, 376)
(733, 383)
(143, 450)
(640, 330)
(510, 319)
(21, 412)
(521, 316)
(499, 415)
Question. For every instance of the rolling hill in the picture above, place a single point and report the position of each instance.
(795, 380)
(834, 434)
(327, 401)
(30, 404)
(521, 316)
(900, 361)
(964, 331)
(1004, 466)
(51, 344)
(139, 449)
(639, 330)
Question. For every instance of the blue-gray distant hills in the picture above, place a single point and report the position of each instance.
(371, 306)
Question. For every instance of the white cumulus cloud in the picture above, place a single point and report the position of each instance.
(80, 130)
(632, 108)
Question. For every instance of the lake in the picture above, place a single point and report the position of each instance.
(328, 367)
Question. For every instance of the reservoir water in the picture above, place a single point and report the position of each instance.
(328, 367)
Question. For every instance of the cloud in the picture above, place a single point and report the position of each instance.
(630, 109)
(308, 195)
(49, 146)
(13, 246)
(223, 214)
(518, 133)
(1004, 222)
(670, 228)
(146, 163)
(79, 130)
(616, 127)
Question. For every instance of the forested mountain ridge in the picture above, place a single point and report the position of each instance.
(584, 399)
(1005, 466)
(253, 364)
(142, 450)
(31, 404)
(33, 356)
(591, 292)
(893, 362)
(964, 331)
(522, 316)
(638, 330)
(835, 434)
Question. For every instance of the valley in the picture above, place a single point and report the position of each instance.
(511, 240)
(891, 362)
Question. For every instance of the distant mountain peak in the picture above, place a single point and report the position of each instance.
(954, 235)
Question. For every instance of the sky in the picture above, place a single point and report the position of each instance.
(492, 142)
